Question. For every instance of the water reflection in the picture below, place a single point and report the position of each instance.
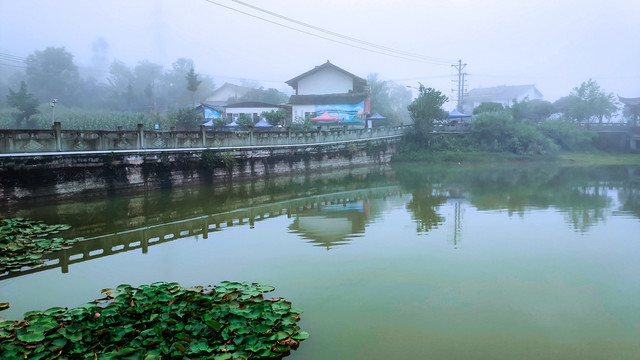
(330, 210)
(586, 196)
(329, 225)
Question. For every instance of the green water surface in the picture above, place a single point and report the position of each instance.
(409, 262)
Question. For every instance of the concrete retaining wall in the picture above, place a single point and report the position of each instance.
(45, 175)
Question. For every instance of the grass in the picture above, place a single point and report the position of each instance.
(599, 158)
(565, 158)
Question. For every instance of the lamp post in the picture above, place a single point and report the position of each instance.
(53, 113)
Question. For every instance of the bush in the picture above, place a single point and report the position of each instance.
(566, 135)
(185, 119)
(497, 132)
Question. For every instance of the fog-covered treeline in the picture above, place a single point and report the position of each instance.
(52, 73)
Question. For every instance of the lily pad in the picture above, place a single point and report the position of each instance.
(162, 320)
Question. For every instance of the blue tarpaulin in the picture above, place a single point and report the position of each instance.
(455, 114)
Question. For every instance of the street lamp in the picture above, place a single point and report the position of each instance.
(53, 114)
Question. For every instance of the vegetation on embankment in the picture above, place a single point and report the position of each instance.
(526, 131)
(160, 321)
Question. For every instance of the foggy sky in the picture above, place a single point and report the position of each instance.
(555, 44)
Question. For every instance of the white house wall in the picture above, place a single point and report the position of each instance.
(298, 112)
(249, 111)
(326, 81)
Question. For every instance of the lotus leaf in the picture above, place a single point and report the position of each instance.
(25, 243)
(161, 320)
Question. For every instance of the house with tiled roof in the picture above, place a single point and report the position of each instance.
(505, 95)
(329, 88)
(221, 95)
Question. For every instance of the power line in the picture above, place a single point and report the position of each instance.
(320, 36)
(381, 47)
(12, 65)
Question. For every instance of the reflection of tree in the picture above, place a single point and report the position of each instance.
(579, 192)
(423, 206)
(585, 206)
(630, 199)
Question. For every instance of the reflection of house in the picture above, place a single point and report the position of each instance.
(504, 95)
(221, 95)
(252, 108)
(332, 225)
(328, 88)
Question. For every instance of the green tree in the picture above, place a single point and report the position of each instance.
(244, 121)
(498, 132)
(269, 96)
(275, 117)
(488, 107)
(185, 119)
(587, 103)
(192, 84)
(534, 111)
(26, 103)
(51, 73)
(426, 109)
(389, 99)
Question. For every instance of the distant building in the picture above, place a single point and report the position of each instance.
(504, 95)
(633, 106)
(221, 95)
(332, 89)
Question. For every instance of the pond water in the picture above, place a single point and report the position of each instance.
(409, 262)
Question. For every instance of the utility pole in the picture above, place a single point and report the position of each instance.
(461, 75)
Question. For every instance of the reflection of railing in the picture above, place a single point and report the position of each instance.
(142, 238)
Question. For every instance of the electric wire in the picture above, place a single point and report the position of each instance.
(317, 28)
(322, 37)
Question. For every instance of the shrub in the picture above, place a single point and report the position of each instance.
(497, 132)
(566, 135)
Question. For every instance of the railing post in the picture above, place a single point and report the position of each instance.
(203, 136)
(101, 141)
(250, 135)
(140, 136)
(57, 134)
(172, 137)
(288, 135)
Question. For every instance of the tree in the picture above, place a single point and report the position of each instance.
(146, 79)
(244, 121)
(389, 99)
(192, 84)
(120, 79)
(185, 119)
(52, 74)
(531, 110)
(488, 107)
(275, 117)
(26, 103)
(587, 103)
(269, 96)
(426, 109)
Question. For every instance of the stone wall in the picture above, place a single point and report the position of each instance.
(64, 174)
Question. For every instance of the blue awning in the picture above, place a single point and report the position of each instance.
(455, 114)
